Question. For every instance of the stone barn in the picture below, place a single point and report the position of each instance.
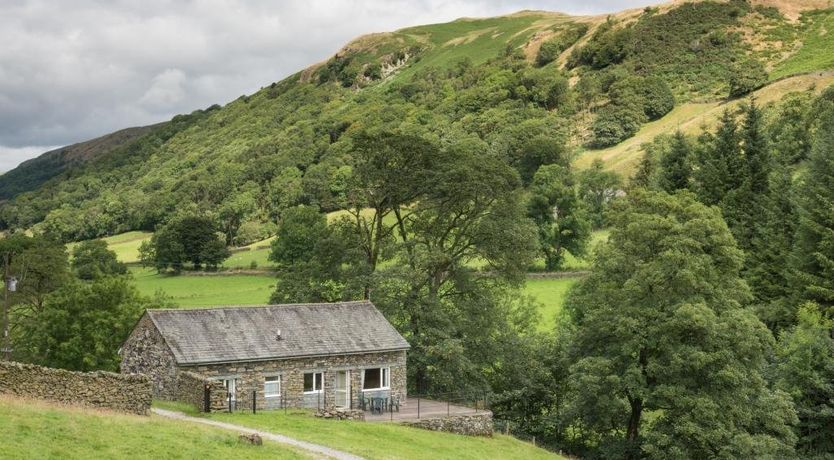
(332, 355)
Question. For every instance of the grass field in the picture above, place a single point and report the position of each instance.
(380, 440)
(125, 245)
(36, 430)
(551, 294)
(204, 291)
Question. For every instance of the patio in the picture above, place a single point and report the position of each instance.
(419, 408)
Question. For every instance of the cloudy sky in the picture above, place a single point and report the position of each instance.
(72, 70)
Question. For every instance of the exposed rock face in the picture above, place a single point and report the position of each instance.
(120, 392)
(341, 414)
(469, 425)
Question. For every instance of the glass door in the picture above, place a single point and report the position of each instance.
(343, 389)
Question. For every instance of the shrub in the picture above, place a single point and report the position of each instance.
(747, 77)
(615, 123)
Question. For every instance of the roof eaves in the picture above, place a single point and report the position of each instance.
(275, 358)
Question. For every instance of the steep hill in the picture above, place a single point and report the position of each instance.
(507, 85)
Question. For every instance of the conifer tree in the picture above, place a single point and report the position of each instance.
(814, 256)
(675, 165)
(719, 162)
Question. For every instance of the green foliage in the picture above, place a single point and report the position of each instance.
(814, 257)
(82, 325)
(690, 47)
(747, 77)
(551, 48)
(92, 260)
(676, 165)
(805, 370)
(598, 188)
(188, 239)
(556, 209)
(615, 123)
(316, 262)
(659, 332)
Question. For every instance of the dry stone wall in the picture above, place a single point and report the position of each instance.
(469, 425)
(120, 392)
(191, 389)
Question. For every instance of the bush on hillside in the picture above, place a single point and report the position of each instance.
(615, 123)
(747, 77)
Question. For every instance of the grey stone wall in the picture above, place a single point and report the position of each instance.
(469, 425)
(191, 389)
(251, 376)
(125, 393)
(145, 352)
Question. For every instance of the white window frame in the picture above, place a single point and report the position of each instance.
(316, 389)
(384, 377)
(276, 379)
(233, 390)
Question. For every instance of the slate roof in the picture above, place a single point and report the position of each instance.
(233, 334)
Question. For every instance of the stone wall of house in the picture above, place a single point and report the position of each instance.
(469, 425)
(251, 376)
(145, 352)
(191, 388)
(120, 392)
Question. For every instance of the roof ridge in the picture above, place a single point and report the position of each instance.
(239, 307)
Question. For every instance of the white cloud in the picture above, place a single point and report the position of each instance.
(165, 92)
(11, 156)
(78, 69)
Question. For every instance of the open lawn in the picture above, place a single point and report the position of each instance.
(204, 291)
(37, 430)
(125, 245)
(550, 292)
(381, 440)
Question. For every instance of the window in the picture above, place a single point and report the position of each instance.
(313, 382)
(230, 385)
(272, 387)
(376, 378)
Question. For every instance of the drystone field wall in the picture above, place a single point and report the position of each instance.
(469, 425)
(191, 389)
(130, 393)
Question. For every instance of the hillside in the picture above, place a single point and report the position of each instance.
(32, 429)
(599, 85)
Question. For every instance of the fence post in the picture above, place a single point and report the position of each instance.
(229, 395)
(254, 401)
(318, 400)
(418, 408)
(448, 408)
(207, 398)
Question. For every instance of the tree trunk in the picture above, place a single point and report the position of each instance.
(633, 431)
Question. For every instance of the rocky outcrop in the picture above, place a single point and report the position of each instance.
(120, 392)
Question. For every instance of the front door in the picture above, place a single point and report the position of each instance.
(343, 389)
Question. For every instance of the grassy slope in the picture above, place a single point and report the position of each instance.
(551, 294)
(817, 51)
(203, 291)
(35, 430)
(691, 118)
(379, 440)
